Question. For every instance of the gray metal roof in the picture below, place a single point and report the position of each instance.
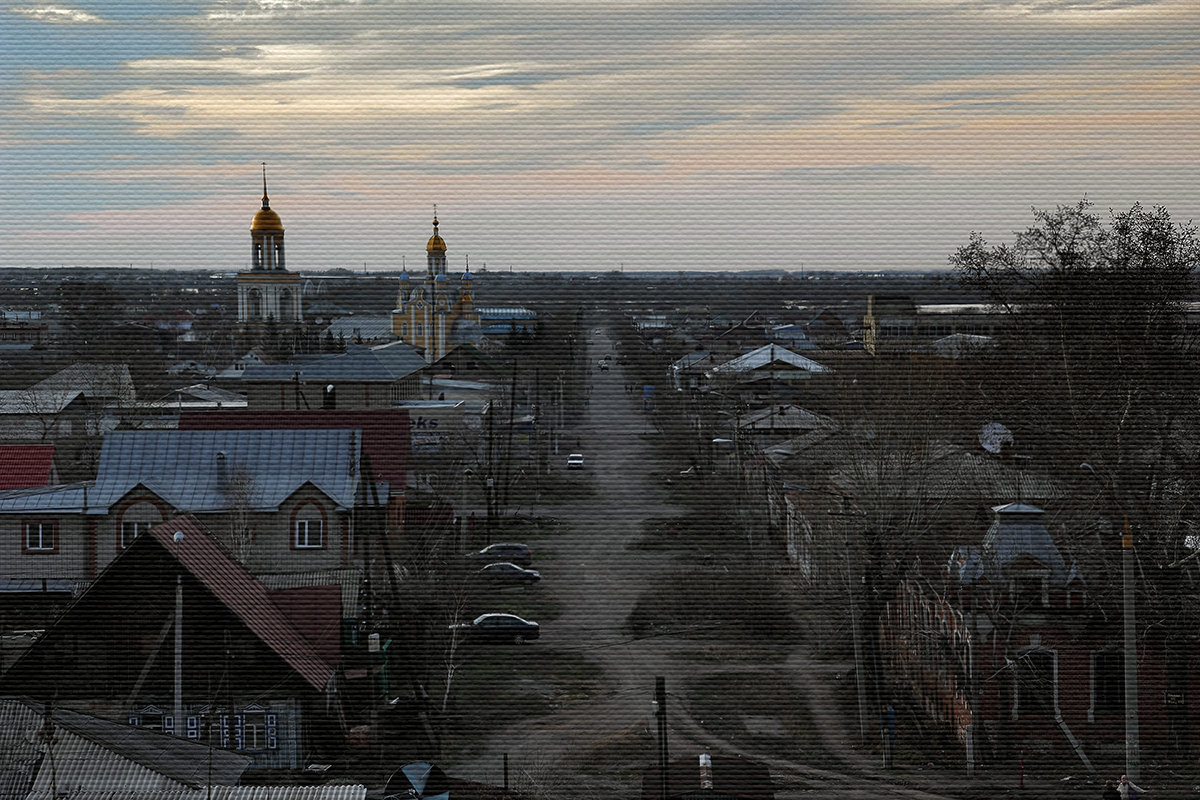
(36, 401)
(181, 468)
(385, 363)
(369, 326)
(766, 355)
(506, 312)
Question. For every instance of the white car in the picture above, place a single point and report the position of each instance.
(575, 461)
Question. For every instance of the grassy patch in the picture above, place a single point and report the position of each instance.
(760, 710)
(498, 685)
(730, 602)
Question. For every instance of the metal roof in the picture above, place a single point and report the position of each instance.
(369, 326)
(765, 356)
(240, 592)
(347, 792)
(181, 467)
(25, 466)
(350, 579)
(92, 754)
(506, 312)
(36, 401)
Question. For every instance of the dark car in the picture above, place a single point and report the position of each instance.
(499, 628)
(513, 552)
(505, 572)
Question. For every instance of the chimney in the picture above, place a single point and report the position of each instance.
(222, 471)
(706, 781)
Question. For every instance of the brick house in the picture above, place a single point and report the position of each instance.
(1006, 650)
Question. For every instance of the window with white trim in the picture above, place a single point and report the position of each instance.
(40, 536)
(310, 533)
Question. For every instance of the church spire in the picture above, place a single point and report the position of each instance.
(266, 202)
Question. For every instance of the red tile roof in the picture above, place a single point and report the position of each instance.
(189, 543)
(384, 431)
(24, 466)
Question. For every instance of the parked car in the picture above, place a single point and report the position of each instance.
(506, 572)
(575, 461)
(499, 628)
(513, 552)
(604, 366)
(608, 357)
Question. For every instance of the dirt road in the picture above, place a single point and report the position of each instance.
(596, 746)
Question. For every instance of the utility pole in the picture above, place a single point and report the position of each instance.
(1132, 756)
(179, 723)
(660, 711)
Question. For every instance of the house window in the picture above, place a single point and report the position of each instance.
(1108, 682)
(40, 536)
(309, 534)
(130, 530)
(1034, 670)
(136, 520)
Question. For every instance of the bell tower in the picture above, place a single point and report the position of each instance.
(268, 291)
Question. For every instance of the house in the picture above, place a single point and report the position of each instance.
(47, 748)
(385, 436)
(280, 500)
(362, 377)
(1006, 648)
(175, 636)
(768, 366)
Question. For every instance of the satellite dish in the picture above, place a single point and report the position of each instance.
(993, 437)
(419, 780)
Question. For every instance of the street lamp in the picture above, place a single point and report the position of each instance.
(1131, 677)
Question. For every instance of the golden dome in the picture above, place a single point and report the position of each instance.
(436, 243)
(266, 220)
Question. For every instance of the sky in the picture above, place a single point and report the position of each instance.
(635, 135)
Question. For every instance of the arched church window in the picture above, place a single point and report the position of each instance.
(404, 329)
(285, 306)
(258, 256)
(256, 304)
(279, 255)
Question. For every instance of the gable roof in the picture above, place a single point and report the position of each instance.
(765, 356)
(240, 592)
(24, 466)
(94, 380)
(181, 466)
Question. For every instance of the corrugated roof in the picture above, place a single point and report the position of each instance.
(98, 754)
(242, 594)
(181, 466)
(350, 579)
(368, 326)
(506, 312)
(65, 498)
(384, 431)
(94, 380)
(349, 792)
(24, 466)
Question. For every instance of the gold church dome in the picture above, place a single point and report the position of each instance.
(266, 220)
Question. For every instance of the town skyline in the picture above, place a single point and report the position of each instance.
(701, 136)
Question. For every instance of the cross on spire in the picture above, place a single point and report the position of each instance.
(266, 202)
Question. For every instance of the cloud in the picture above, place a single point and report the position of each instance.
(58, 15)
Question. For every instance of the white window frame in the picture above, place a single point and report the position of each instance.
(139, 527)
(44, 527)
(306, 524)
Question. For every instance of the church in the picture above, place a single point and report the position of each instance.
(436, 313)
(268, 291)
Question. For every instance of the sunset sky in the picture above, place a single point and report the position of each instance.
(831, 134)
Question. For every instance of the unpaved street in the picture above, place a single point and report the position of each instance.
(595, 745)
